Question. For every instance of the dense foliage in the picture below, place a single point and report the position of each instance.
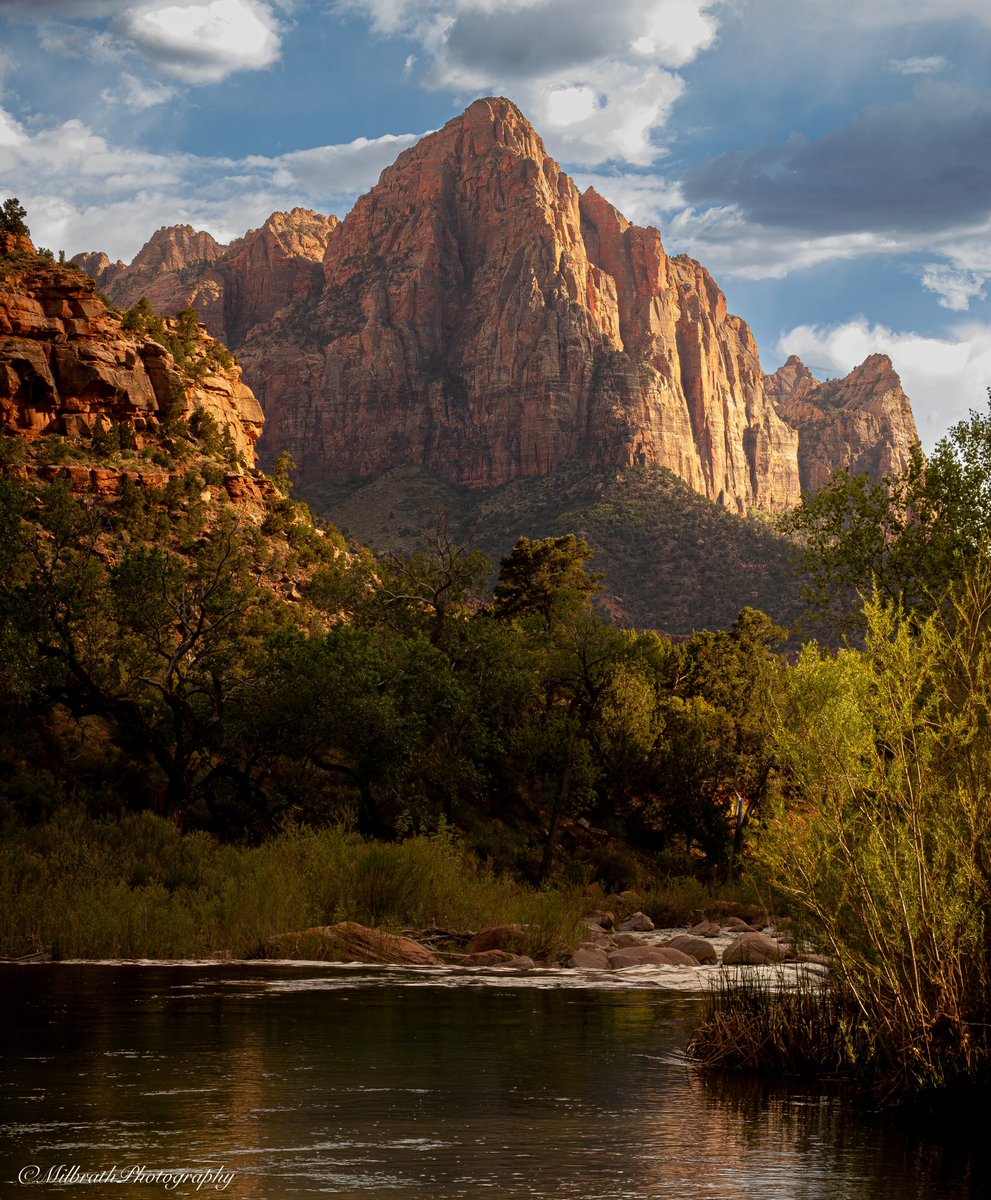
(907, 535)
(151, 661)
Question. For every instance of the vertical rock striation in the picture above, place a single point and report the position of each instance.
(863, 422)
(476, 315)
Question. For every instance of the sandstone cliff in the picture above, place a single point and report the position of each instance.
(481, 318)
(474, 314)
(863, 422)
(233, 288)
(68, 367)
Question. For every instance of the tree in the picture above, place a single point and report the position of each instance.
(537, 573)
(13, 217)
(439, 580)
(908, 536)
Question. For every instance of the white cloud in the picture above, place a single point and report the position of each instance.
(138, 94)
(597, 80)
(943, 377)
(644, 199)
(202, 41)
(730, 244)
(918, 66)
(955, 288)
(82, 192)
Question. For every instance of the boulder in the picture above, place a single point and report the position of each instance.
(754, 949)
(498, 937)
(347, 941)
(708, 929)
(699, 948)
(488, 958)
(601, 918)
(736, 923)
(637, 923)
(639, 956)
(589, 959)
(626, 939)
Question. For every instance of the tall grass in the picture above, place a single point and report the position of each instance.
(749, 1023)
(137, 888)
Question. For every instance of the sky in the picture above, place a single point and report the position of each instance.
(830, 163)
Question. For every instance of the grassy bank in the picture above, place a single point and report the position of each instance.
(137, 888)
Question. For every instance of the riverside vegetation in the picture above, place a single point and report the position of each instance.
(219, 719)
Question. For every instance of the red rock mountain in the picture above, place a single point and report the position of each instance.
(863, 422)
(477, 315)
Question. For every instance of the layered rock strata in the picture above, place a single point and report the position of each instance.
(68, 367)
(233, 288)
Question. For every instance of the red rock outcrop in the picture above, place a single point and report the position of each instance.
(233, 288)
(862, 423)
(68, 367)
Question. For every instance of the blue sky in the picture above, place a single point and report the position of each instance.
(829, 162)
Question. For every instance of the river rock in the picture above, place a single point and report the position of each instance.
(699, 948)
(498, 937)
(638, 956)
(488, 958)
(734, 923)
(637, 923)
(620, 940)
(601, 918)
(347, 941)
(598, 937)
(754, 949)
(589, 959)
(707, 929)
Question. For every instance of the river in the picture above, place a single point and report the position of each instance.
(281, 1082)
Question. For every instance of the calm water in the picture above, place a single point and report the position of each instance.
(307, 1082)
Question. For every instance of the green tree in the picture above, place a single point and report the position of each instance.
(13, 217)
(439, 580)
(908, 536)
(537, 573)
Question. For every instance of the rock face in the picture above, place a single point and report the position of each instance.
(863, 422)
(475, 315)
(233, 288)
(68, 367)
(481, 318)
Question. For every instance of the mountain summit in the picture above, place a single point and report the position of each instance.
(477, 316)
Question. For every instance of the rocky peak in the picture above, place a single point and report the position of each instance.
(174, 247)
(863, 422)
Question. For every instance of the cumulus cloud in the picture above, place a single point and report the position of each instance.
(119, 194)
(598, 80)
(954, 287)
(943, 377)
(203, 41)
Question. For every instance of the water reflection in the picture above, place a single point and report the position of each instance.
(430, 1092)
